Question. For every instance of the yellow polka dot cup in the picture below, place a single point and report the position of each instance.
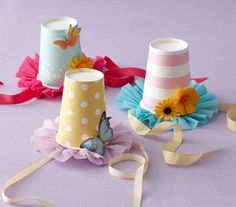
(83, 103)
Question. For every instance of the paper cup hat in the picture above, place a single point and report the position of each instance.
(168, 93)
(59, 44)
(83, 104)
(167, 70)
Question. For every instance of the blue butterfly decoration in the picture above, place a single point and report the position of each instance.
(105, 135)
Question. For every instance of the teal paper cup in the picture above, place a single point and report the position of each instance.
(56, 50)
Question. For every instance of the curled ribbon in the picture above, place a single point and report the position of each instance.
(22, 174)
(21, 97)
(136, 175)
(169, 150)
(230, 114)
(118, 77)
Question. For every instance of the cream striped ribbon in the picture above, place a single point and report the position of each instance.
(169, 150)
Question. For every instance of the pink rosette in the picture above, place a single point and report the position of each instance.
(44, 140)
(28, 72)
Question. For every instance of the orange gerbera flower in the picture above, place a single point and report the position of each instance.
(82, 62)
(186, 99)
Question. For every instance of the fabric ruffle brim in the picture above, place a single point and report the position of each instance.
(44, 140)
(130, 96)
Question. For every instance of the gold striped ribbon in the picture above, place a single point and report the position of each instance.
(169, 150)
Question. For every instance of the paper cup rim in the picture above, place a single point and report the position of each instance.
(68, 72)
(163, 52)
(146, 108)
(63, 145)
(72, 19)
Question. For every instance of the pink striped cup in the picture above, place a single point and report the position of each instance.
(167, 70)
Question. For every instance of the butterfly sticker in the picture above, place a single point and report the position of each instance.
(71, 40)
(105, 135)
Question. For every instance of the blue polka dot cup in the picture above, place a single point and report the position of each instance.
(83, 103)
(56, 50)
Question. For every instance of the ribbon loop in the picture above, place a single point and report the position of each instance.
(136, 175)
(230, 114)
(125, 157)
(169, 150)
(117, 77)
(22, 174)
(171, 157)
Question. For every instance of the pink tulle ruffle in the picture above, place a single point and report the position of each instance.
(45, 142)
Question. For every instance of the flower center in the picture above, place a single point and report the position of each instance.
(167, 110)
(184, 99)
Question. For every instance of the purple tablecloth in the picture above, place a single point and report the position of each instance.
(122, 30)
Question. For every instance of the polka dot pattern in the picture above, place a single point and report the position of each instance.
(84, 136)
(97, 112)
(69, 112)
(82, 106)
(84, 87)
(68, 128)
(67, 143)
(84, 121)
(71, 94)
(97, 95)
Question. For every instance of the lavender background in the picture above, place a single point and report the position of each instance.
(122, 30)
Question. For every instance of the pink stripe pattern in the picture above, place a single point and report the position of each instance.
(167, 83)
(168, 60)
(166, 72)
(149, 102)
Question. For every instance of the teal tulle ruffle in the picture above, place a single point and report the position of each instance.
(130, 96)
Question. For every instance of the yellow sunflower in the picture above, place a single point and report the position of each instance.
(166, 109)
(82, 62)
(186, 99)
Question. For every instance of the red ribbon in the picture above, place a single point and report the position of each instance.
(114, 77)
(118, 77)
(21, 97)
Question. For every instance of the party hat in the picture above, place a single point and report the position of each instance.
(83, 105)
(167, 71)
